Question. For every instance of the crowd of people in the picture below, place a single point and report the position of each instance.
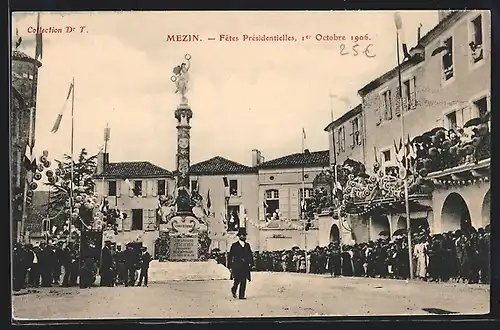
(452, 256)
(59, 264)
(457, 256)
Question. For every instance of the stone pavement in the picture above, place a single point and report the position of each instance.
(269, 295)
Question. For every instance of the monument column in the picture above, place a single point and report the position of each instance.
(183, 114)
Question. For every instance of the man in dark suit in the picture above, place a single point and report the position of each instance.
(145, 260)
(107, 265)
(131, 260)
(240, 262)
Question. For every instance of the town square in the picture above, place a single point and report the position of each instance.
(281, 175)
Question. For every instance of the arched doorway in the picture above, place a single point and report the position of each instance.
(379, 227)
(455, 214)
(334, 234)
(486, 209)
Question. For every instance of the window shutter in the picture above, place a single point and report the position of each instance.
(151, 184)
(353, 134)
(294, 203)
(127, 223)
(152, 219)
(390, 107)
(262, 211)
(155, 187)
(413, 93)
(130, 192)
(343, 138)
(105, 188)
(145, 220)
(397, 103)
(283, 202)
(118, 188)
(379, 110)
(119, 224)
(339, 140)
(360, 130)
(144, 190)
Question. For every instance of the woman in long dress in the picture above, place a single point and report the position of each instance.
(420, 253)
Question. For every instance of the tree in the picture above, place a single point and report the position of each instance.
(59, 182)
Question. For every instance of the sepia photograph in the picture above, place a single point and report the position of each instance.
(240, 164)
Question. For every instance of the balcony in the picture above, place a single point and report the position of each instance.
(439, 149)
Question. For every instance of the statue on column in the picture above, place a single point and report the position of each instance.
(181, 78)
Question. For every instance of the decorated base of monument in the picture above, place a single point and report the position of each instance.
(182, 252)
(161, 272)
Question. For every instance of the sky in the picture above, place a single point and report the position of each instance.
(244, 95)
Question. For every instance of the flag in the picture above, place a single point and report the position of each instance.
(396, 150)
(29, 161)
(401, 151)
(303, 133)
(411, 149)
(399, 26)
(57, 123)
(209, 202)
(39, 41)
(19, 39)
(107, 133)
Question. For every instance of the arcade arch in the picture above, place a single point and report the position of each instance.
(486, 209)
(380, 226)
(455, 214)
(334, 234)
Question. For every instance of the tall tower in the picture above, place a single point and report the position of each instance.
(22, 115)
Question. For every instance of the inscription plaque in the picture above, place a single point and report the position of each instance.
(183, 248)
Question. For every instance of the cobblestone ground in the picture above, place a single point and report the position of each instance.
(269, 295)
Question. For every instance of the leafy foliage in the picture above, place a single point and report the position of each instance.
(84, 167)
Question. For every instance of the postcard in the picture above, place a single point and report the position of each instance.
(188, 165)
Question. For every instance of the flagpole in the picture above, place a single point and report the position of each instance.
(72, 156)
(405, 179)
(303, 202)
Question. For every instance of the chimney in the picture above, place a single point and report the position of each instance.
(106, 161)
(256, 157)
(419, 29)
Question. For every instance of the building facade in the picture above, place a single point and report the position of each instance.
(346, 138)
(445, 84)
(231, 189)
(283, 183)
(134, 188)
(446, 89)
(265, 198)
(22, 122)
